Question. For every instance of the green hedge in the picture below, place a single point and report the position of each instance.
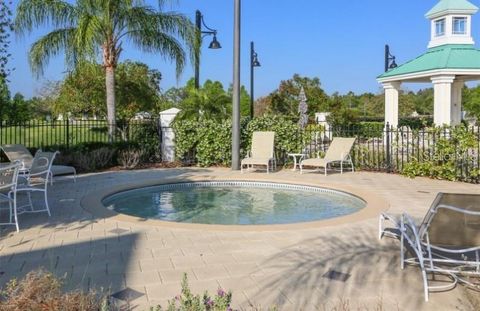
(209, 141)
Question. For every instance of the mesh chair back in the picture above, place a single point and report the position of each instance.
(263, 145)
(9, 177)
(18, 153)
(339, 149)
(454, 221)
(42, 164)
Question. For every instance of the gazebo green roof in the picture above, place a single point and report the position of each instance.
(452, 5)
(449, 56)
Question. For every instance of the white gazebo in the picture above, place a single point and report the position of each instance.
(450, 61)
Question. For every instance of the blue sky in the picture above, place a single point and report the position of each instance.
(339, 41)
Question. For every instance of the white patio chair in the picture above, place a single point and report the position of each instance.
(262, 151)
(447, 241)
(20, 152)
(8, 190)
(338, 152)
(36, 180)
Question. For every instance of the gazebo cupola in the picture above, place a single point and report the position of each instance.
(450, 61)
(451, 22)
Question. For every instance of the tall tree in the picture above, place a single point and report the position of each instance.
(285, 99)
(89, 28)
(209, 102)
(5, 31)
(137, 89)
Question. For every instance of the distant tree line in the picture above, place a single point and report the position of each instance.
(138, 89)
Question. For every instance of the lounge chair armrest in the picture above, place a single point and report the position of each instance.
(460, 210)
(388, 231)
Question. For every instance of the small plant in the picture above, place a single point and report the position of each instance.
(89, 161)
(41, 290)
(130, 158)
(103, 157)
(187, 301)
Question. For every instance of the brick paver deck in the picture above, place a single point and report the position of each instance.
(283, 268)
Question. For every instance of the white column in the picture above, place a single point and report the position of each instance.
(168, 135)
(392, 91)
(442, 102)
(456, 108)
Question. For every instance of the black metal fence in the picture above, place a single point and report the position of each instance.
(68, 133)
(456, 151)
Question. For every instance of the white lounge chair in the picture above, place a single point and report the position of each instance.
(262, 151)
(19, 152)
(8, 190)
(447, 242)
(338, 152)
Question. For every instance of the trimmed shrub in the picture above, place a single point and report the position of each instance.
(209, 141)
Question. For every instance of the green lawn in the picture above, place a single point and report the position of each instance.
(38, 134)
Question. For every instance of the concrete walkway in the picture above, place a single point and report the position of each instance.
(283, 268)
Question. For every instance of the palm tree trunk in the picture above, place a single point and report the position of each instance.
(110, 89)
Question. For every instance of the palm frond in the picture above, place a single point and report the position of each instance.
(90, 34)
(51, 45)
(146, 21)
(35, 13)
(151, 41)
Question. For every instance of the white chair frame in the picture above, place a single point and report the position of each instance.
(11, 195)
(29, 187)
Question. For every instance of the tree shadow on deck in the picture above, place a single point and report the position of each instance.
(99, 263)
(354, 267)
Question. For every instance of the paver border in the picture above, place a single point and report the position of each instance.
(92, 203)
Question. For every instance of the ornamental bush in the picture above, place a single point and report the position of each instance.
(208, 142)
(287, 133)
(449, 158)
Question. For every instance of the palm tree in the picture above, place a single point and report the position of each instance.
(90, 28)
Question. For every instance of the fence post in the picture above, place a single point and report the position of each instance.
(67, 133)
(389, 156)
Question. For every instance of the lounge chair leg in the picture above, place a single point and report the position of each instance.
(16, 220)
(15, 212)
(402, 254)
(425, 284)
(46, 204)
(325, 170)
(341, 167)
(380, 226)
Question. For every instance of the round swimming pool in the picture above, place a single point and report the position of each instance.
(234, 203)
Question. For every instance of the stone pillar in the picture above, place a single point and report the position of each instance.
(456, 108)
(392, 91)
(168, 135)
(442, 102)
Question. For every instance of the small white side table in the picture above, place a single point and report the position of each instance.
(297, 158)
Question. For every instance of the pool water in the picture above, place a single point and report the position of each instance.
(234, 203)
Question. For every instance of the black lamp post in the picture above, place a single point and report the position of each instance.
(253, 63)
(389, 59)
(199, 22)
(236, 86)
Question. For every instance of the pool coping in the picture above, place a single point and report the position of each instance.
(92, 203)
